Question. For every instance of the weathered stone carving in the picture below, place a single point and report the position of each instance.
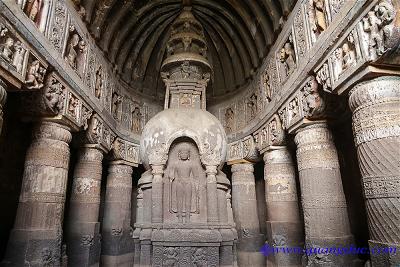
(252, 106)
(99, 83)
(317, 16)
(268, 90)
(323, 77)
(287, 59)
(54, 95)
(377, 25)
(184, 185)
(76, 50)
(345, 56)
(229, 120)
(313, 104)
(73, 106)
(58, 25)
(116, 108)
(276, 133)
(6, 48)
(36, 10)
(136, 120)
(35, 75)
(12, 50)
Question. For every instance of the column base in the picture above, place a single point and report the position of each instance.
(84, 245)
(124, 260)
(249, 251)
(117, 250)
(330, 259)
(35, 248)
(385, 259)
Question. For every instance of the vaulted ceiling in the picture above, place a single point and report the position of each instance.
(133, 34)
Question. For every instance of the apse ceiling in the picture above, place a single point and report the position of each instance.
(133, 35)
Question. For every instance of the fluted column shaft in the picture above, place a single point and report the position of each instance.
(117, 242)
(83, 228)
(324, 204)
(3, 97)
(376, 126)
(284, 225)
(246, 215)
(37, 234)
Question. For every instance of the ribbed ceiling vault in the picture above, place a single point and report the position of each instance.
(133, 34)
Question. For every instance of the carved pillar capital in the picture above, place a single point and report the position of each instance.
(98, 134)
(374, 104)
(277, 154)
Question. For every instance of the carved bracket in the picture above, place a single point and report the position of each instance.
(125, 151)
(243, 150)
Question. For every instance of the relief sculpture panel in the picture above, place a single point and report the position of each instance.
(184, 181)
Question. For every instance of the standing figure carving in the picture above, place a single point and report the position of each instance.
(33, 8)
(183, 183)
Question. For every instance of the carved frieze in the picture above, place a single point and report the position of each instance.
(243, 150)
(124, 150)
(58, 25)
(99, 133)
(377, 27)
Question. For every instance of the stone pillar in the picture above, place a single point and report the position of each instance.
(37, 234)
(324, 205)
(83, 228)
(246, 215)
(376, 125)
(157, 193)
(117, 246)
(284, 226)
(3, 97)
(212, 199)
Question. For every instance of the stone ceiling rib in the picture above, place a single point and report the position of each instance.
(237, 62)
(132, 34)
